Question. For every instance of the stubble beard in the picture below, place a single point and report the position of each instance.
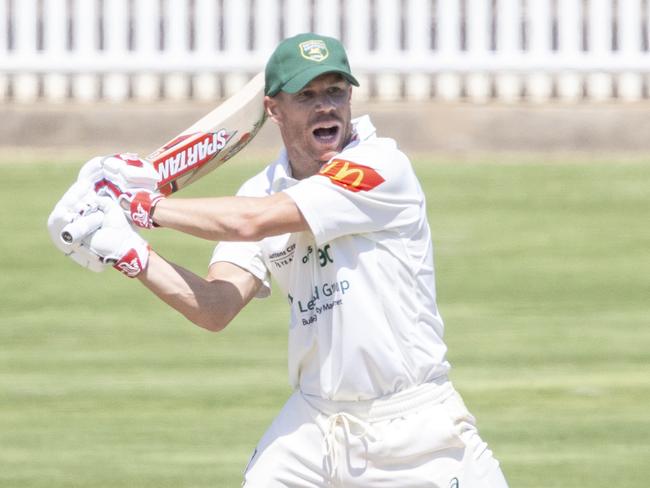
(306, 164)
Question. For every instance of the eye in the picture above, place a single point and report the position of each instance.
(305, 95)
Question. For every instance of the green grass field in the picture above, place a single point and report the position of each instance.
(543, 281)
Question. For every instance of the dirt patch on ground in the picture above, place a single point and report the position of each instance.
(60, 131)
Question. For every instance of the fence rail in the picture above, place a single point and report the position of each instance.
(510, 50)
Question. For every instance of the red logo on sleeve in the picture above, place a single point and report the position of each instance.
(351, 176)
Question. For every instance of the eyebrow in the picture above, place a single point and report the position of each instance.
(338, 82)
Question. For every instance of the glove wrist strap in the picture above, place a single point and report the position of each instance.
(134, 261)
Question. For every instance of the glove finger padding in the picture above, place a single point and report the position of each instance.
(67, 211)
(87, 259)
(125, 177)
(128, 173)
(92, 171)
(117, 243)
(79, 191)
(75, 202)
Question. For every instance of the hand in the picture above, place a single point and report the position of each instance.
(78, 201)
(116, 242)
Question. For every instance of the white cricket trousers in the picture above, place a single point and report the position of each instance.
(421, 437)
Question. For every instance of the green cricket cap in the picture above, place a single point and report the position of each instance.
(298, 60)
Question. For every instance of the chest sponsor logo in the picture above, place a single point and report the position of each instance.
(325, 297)
(324, 257)
(351, 176)
(283, 257)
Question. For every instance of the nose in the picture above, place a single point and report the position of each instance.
(325, 103)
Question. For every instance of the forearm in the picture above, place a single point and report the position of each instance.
(209, 304)
(231, 218)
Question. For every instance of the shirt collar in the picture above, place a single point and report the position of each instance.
(281, 177)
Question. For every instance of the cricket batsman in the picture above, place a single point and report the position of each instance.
(339, 222)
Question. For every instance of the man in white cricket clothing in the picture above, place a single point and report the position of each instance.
(339, 222)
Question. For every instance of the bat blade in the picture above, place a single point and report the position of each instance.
(212, 140)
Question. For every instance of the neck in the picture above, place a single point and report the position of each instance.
(301, 169)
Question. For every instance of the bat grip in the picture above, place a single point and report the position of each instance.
(82, 227)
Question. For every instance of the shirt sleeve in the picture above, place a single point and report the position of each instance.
(248, 256)
(363, 190)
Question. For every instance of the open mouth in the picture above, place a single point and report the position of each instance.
(326, 134)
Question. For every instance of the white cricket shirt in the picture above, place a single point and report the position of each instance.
(361, 287)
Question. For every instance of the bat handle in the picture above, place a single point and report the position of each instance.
(82, 227)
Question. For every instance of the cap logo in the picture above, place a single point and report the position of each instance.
(315, 50)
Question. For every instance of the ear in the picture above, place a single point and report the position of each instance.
(271, 108)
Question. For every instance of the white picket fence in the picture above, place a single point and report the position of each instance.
(478, 50)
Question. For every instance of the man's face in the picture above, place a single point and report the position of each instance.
(314, 122)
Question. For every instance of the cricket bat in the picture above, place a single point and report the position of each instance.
(199, 149)
(212, 140)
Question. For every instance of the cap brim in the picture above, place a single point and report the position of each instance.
(303, 78)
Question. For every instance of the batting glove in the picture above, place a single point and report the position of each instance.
(128, 179)
(117, 243)
(78, 202)
(119, 173)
